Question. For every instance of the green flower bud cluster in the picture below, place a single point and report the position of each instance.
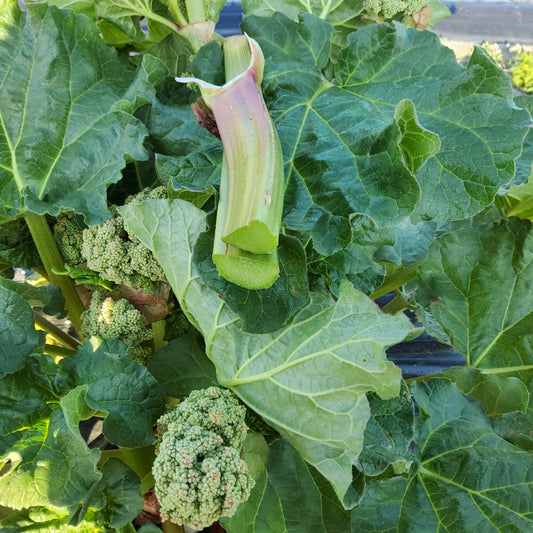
(68, 235)
(199, 474)
(116, 256)
(108, 249)
(386, 9)
(119, 319)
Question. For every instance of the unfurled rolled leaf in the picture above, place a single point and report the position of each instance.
(62, 140)
(308, 380)
(465, 478)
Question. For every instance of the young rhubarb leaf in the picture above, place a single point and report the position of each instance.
(117, 495)
(355, 262)
(187, 155)
(63, 141)
(465, 478)
(388, 434)
(411, 243)
(516, 427)
(498, 394)
(308, 380)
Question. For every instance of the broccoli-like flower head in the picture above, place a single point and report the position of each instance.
(386, 9)
(68, 234)
(106, 248)
(109, 250)
(199, 475)
(108, 318)
(146, 194)
(215, 409)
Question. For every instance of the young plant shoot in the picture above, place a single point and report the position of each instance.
(252, 182)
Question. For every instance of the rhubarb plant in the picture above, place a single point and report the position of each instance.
(278, 212)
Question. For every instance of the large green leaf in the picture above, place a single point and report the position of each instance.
(47, 462)
(61, 139)
(265, 310)
(466, 477)
(341, 156)
(345, 15)
(388, 434)
(308, 380)
(337, 159)
(290, 497)
(474, 282)
(119, 386)
(44, 460)
(182, 366)
(17, 331)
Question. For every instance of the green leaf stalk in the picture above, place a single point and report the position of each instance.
(252, 181)
(52, 260)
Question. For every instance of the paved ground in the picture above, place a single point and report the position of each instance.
(488, 21)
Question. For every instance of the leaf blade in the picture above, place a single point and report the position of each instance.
(260, 367)
(59, 149)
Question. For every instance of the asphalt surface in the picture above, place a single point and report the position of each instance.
(503, 21)
(488, 21)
